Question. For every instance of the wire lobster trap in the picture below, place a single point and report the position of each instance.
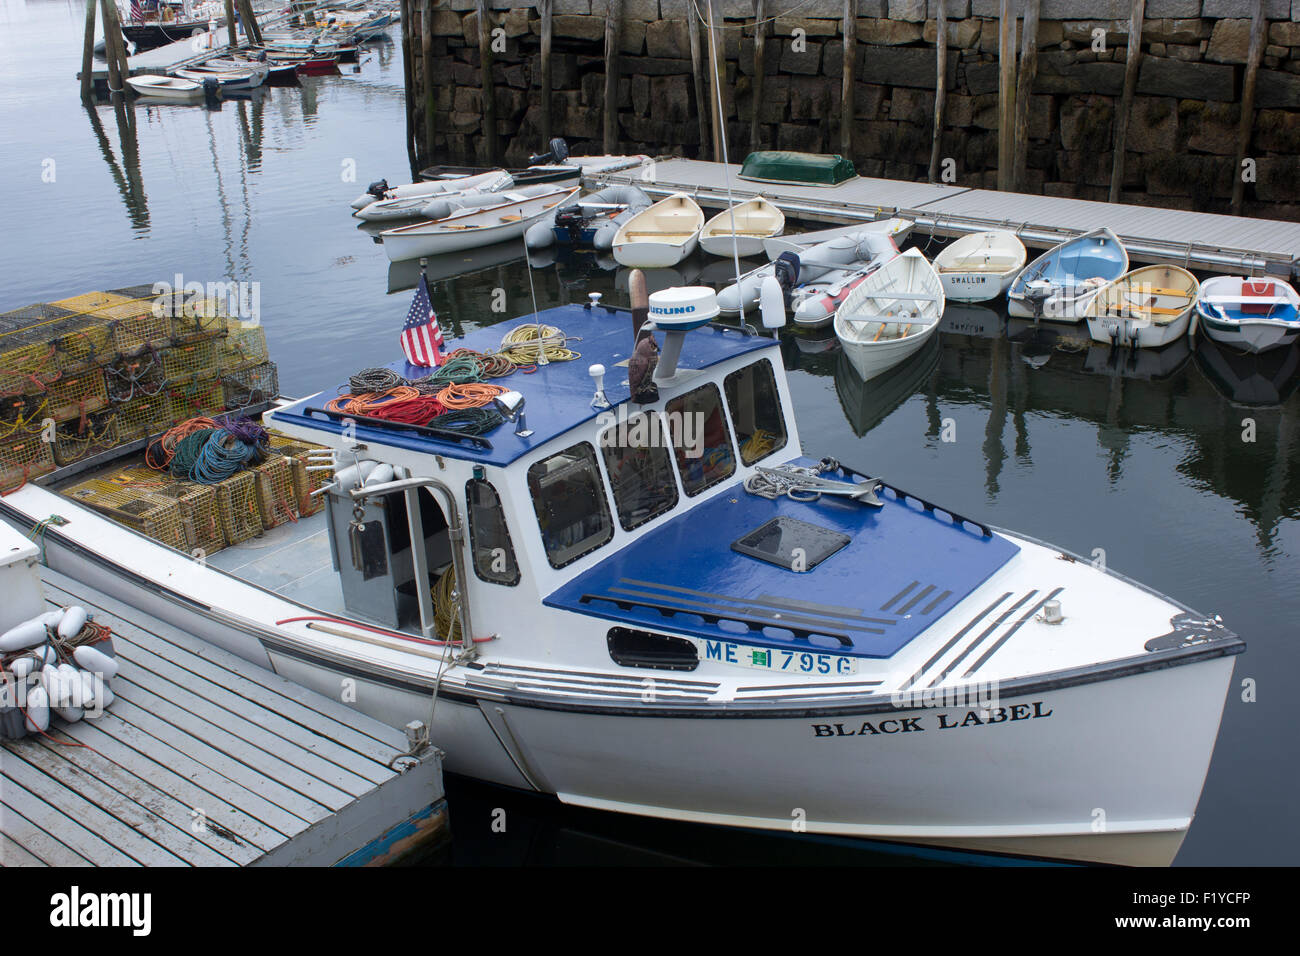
(243, 347)
(25, 453)
(73, 396)
(131, 376)
(138, 323)
(277, 501)
(195, 400)
(200, 520)
(251, 386)
(303, 457)
(133, 506)
(85, 436)
(192, 362)
(28, 360)
(143, 416)
(194, 319)
(237, 508)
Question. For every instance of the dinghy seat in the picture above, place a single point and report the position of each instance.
(1257, 298)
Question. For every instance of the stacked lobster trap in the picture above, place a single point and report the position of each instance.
(91, 372)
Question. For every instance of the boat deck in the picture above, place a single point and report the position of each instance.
(1194, 240)
(204, 759)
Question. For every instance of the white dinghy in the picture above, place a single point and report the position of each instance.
(891, 314)
(471, 228)
(1146, 308)
(1059, 284)
(1249, 314)
(166, 87)
(742, 229)
(245, 78)
(981, 266)
(482, 182)
(660, 236)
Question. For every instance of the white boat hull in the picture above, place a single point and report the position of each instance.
(975, 286)
(1137, 333)
(729, 246)
(653, 255)
(1057, 309)
(1247, 336)
(470, 229)
(660, 237)
(879, 357)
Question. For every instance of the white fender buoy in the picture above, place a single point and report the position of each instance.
(97, 662)
(24, 635)
(38, 710)
(101, 697)
(71, 713)
(32, 662)
(74, 619)
(51, 618)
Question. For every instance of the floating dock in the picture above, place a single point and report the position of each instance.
(1194, 240)
(206, 760)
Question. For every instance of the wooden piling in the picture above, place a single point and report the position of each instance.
(846, 87)
(613, 19)
(408, 78)
(489, 86)
(252, 31)
(760, 36)
(115, 77)
(88, 54)
(940, 87)
(428, 89)
(230, 24)
(697, 78)
(1025, 89)
(1258, 28)
(544, 11)
(715, 87)
(1006, 95)
(1125, 106)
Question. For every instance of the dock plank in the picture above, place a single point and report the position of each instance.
(332, 718)
(50, 851)
(143, 842)
(13, 854)
(82, 840)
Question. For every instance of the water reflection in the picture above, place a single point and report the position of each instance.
(126, 174)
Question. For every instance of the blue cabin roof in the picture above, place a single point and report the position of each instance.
(903, 568)
(558, 395)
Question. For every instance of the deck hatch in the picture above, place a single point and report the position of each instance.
(792, 544)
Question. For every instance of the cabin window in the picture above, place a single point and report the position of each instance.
(701, 440)
(494, 555)
(640, 474)
(755, 407)
(569, 498)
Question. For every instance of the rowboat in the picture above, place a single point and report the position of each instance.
(471, 228)
(799, 169)
(1146, 308)
(636, 619)
(891, 314)
(487, 181)
(240, 78)
(1252, 315)
(740, 231)
(1059, 284)
(660, 236)
(166, 87)
(981, 266)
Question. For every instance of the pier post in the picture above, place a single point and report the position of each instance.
(429, 90)
(846, 88)
(1006, 94)
(230, 24)
(88, 54)
(697, 77)
(715, 88)
(489, 89)
(1125, 105)
(115, 77)
(760, 37)
(940, 87)
(252, 32)
(1025, 88)
(613, 16)
(544, 10)
(408, 77)
(1258, 27)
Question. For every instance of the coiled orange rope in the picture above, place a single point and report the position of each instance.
(469, 395)
(159, 454)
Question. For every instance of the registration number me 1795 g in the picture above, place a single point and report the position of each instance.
(776, 659)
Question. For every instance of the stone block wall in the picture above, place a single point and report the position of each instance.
(1180, 145)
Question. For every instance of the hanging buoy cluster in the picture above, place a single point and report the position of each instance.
(56, 665)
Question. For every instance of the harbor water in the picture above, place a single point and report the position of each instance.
(1179, 468)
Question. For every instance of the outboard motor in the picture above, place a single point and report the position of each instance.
(378, 188)
(1037, 292)
(212, 93)
(558, 153)
(786, 270)
(572, 219)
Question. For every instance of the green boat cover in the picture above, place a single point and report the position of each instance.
(805, 169)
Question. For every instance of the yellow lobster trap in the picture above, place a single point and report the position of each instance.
(85, 436)
(26, 452)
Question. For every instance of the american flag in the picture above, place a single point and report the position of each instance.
(421, 336)
(136, 13)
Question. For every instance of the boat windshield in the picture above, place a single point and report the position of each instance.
(755, 411)
(701, 439)
(569, 499)
(640, 474)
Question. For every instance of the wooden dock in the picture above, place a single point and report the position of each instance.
(206, 760)
(1195, 240)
